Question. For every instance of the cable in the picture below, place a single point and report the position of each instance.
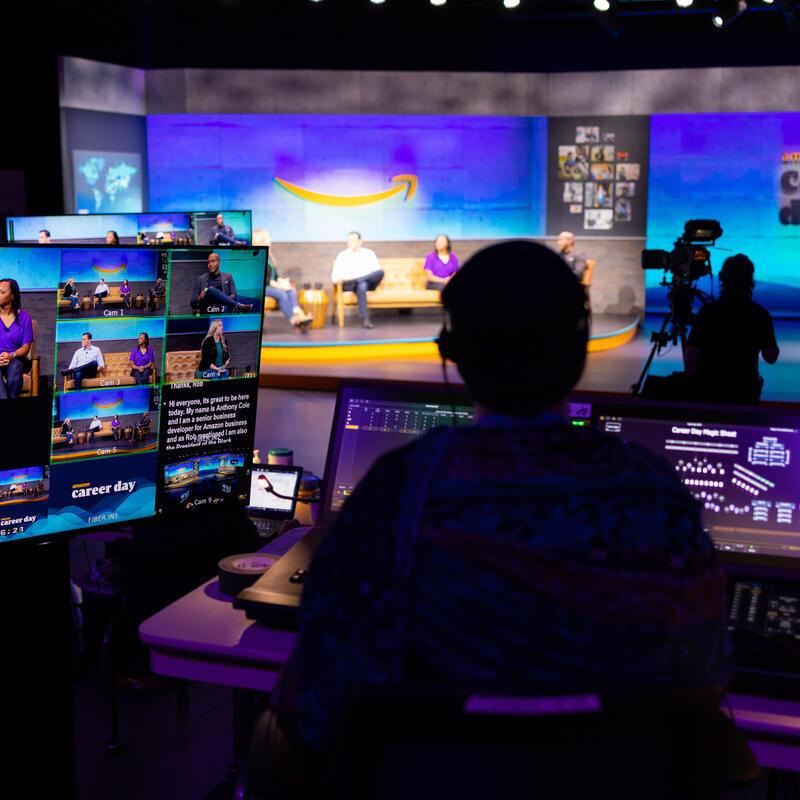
(271, 489)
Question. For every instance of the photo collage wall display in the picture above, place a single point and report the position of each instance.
(597, 170)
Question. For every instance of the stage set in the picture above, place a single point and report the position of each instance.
(621, 159)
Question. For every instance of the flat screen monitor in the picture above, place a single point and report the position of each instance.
(135, 384)
(151, 228)
(273, 491)
(741, 464)
(373, 417)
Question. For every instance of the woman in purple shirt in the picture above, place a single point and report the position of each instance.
(441, 264)
(142, 360)
(125, 292)
(16, 337)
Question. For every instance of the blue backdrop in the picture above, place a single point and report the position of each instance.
(88, 266)
(22, 475)
(727, 167)
(477, 177)
(34, 268)
(103, 402)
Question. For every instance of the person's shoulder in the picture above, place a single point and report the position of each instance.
(760, 311)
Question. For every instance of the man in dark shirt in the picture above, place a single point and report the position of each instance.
(221, 233)
(215, 291)
(565, 244)
(460, 553)
(727, 337)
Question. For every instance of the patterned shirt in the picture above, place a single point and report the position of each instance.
(513, 553)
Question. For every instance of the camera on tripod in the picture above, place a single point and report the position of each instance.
(687, 262)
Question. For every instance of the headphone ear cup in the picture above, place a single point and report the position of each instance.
(446, 343)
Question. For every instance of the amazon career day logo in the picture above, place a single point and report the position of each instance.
(407, 183)
(790, 189)
(87, 490)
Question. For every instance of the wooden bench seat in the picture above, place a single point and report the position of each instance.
(403, 286)
(117, 372)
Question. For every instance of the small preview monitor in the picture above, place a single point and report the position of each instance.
(273, 490)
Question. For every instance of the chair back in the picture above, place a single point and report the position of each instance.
(654, 744)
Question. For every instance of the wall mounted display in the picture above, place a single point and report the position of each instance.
(743, 170)
(314, 178)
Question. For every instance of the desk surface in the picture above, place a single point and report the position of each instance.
(202, 637)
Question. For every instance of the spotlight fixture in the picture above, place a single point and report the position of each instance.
(602, 5)
(727, 11)
(510, 3)
(683, 3)
(438, 2)
(377, 2)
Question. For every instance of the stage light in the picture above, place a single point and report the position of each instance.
(684, 3)
(602, 5)
(510, 3)
(438, 2)
(377, 2)
(727, 11)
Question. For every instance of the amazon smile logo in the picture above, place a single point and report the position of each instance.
(107, 406)
(407, 183)
(110, 270)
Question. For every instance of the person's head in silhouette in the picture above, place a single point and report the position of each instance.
(736, 277)
(520, 363)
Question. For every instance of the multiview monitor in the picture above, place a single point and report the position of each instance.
(151, 228)
(132, 385)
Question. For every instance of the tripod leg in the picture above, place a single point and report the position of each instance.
(658, 339)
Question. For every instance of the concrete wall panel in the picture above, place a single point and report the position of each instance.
(94, 86)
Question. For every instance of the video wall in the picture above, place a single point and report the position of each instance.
(173, 227)
(742, 169)
(121, 367)
(314, 178)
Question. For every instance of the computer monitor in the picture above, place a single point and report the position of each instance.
(136, 396)
(273, 491)
(149, 228)
(373, 417)
(741, 464)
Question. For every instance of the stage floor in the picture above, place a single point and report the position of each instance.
(422, 325)
(612, 370)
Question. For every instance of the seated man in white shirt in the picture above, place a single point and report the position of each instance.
(85, 362)
(100, 291)
(94, 427)
(358, 269)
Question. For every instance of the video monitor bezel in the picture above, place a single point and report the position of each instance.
(161, 457)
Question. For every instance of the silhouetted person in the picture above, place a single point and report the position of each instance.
(518, 552)
(726, 339)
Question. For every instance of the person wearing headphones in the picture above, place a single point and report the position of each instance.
(520, 551)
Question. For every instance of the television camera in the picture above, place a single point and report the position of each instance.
(687, 262)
